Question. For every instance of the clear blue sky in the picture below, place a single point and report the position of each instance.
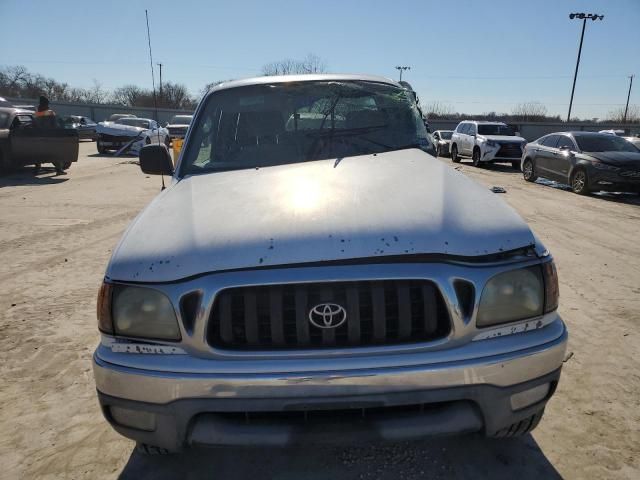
(477, 56)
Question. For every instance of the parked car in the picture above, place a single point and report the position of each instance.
(486, 142)
(23, 144)
(621, 133)
(325, 282)
(179, 125)
(133, 131)
(118, 116)
(442, 139)
(85, 127)
(587, 161)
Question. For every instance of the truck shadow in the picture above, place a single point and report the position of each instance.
(25, 176)
(471, 456)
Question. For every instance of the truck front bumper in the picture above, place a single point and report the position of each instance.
(174, 410)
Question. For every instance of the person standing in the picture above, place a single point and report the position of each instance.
(46, 118)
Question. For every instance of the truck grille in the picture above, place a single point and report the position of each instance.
(510, 150)
(381, 312)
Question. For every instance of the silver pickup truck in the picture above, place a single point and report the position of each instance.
(314, 274)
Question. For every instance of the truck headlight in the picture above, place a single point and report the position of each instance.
(491, 143)
(511, 296)
(137, 312)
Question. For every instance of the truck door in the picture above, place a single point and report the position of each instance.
(30, 145)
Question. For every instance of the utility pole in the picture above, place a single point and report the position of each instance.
(401, 69)
(583, 17)
(626, 109)
(160, 65)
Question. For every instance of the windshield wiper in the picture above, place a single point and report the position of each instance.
(344, 131)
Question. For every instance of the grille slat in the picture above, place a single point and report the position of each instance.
(379, 312)
(430, 312)
(404, 311)
(275, 310)
(251, 318)
(226, 329)
(302, 321)
(379, 324)
(353, 317)
(509, 150)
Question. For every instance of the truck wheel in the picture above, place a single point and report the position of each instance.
(528, 171)
(145, 449)
(580, 182)
(454, 154)
(476, 157)
(101, 149)
(520, 428)
(66, 165)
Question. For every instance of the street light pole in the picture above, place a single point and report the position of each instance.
(584, 17)
(626, 109)
(401, 69)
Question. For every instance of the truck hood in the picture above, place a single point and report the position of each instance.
(397, 203)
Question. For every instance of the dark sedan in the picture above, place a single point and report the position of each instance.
(587, 161)
(84, 125)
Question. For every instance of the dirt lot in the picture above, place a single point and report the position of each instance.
(56, 235)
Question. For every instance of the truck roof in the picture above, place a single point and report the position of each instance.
(303, 78)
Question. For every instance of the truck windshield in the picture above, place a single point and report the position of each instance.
(495, 130)
(281, 123)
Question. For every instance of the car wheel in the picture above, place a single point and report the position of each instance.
(66, 165)
(520, 428)
(476, 157)
(528, 171)
(580, 182)
(454, 154)
(100, 146)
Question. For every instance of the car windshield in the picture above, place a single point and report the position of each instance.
(181, 119)
(495, 129)
(281, 123)
(604, 143)
(134, 122)
(445, 134)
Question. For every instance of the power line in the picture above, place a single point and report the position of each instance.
(626, 109)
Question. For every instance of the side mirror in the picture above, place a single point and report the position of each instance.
(156, 160)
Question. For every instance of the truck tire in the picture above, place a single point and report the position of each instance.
(66, 165)
(101, 148)
(520, 428)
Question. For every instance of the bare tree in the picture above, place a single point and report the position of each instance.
(529, 111)
(617, 115)
(310, 64)
(438, 109)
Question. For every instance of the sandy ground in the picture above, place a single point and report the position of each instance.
(56, 235)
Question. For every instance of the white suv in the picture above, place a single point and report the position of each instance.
(486, 142)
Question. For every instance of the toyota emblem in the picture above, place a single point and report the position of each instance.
(327, 315)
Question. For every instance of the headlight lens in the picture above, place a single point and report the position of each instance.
(491, 143)
(143, 312)
(511, 296)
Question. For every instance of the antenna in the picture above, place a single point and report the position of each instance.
(153, 82)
